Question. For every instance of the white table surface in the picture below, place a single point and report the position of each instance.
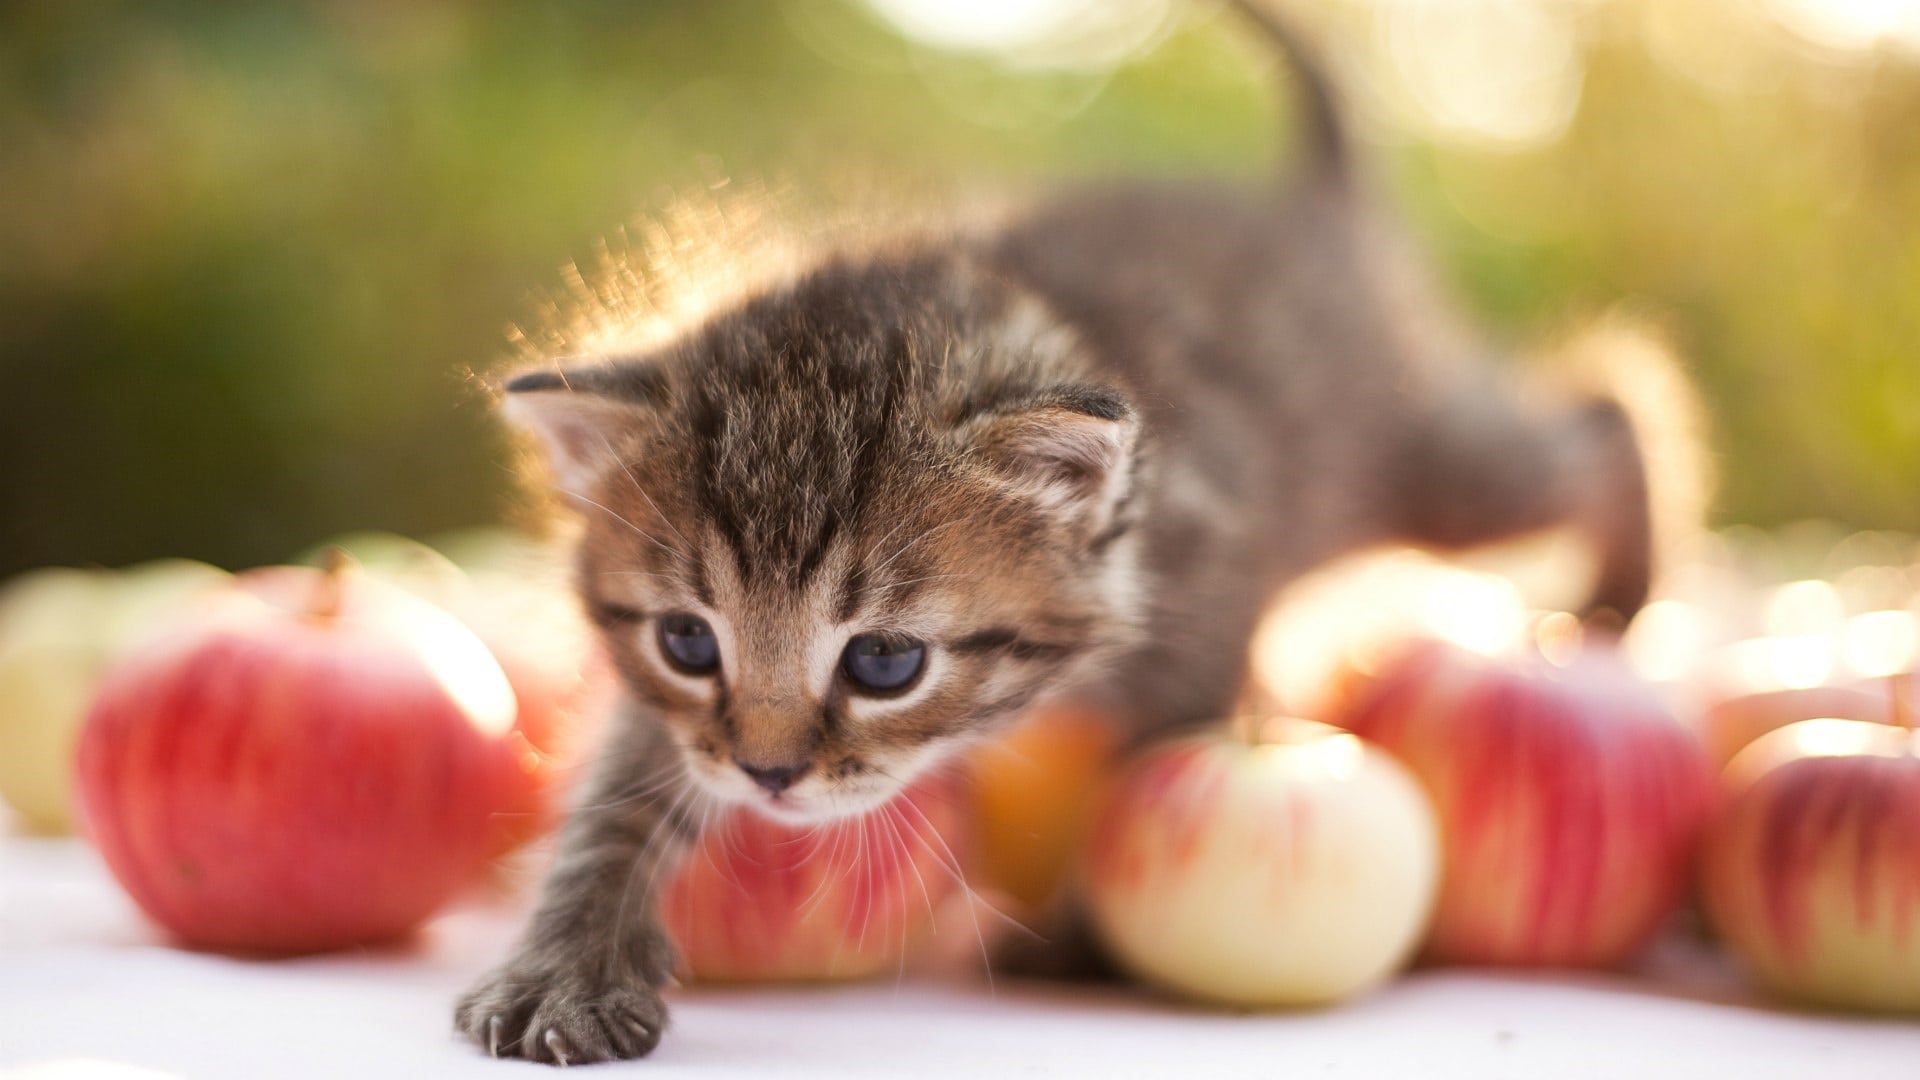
(88, 989)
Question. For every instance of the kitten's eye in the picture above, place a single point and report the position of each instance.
(883, 662)
(689, 643)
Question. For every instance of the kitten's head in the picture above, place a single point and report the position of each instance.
(841, 530)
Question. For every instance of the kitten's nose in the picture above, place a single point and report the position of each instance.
(777, 778)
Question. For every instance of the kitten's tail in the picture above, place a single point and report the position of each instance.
(1329, 155)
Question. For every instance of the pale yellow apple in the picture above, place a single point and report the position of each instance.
(59, 629)
(1297, 869)
(143, 594)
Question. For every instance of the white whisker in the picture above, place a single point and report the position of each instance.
(875, 571)
(947, 860)
(635, 481)
(644, 534)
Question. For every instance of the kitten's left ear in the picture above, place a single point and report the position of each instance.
(582, 415)
(1070, 448)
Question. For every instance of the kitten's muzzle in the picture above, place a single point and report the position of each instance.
(774, 778)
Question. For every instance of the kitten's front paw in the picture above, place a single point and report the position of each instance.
(559, 1018)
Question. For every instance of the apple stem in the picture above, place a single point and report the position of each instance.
(335, 565)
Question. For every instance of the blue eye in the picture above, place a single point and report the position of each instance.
(883, 662)
(689, 643)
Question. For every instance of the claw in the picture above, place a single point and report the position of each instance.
(493, 1037)
(557, 1046)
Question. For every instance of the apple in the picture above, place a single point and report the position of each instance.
(764, 901)
(1342, 615)
(1811, 871)
(1034, 789)
(1570, 799)
(59, 628)
(497, 549)
(1297, 869)
(1730, 724)
(303, 761)
(563, 683)
(532, 625)
(145, 593)
(1756, 686)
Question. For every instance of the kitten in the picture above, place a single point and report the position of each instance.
(836, 532)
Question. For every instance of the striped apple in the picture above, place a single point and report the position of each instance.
(1730, 724)
(302, 761)
(1570, 799)
(766, 901)
(1811, 872)
(1297, 868)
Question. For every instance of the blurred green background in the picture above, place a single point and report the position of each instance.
(250, 254)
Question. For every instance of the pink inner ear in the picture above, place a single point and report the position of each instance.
(579, 431)
(1074, 446)
(1066, 456)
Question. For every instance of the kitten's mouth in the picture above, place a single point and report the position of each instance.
(787, 808)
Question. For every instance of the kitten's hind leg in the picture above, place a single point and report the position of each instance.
(584, 982)
(1614, 507)
(1486, 468)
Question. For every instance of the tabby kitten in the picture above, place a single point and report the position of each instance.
(838, 531)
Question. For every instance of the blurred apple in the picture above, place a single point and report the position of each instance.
(303, 761)
(1345, 612)
(1763, 684)
(1728, 725)
(530, 621)
(1811, 872)
(763, 901)
(1034, 790)
(562, 682)
(1296, 870)
(1570, 799)
(59, 628)
(497, 549)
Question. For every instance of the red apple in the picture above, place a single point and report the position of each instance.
(304, 761)
(505, 589)
(764, 901)
(1811, 872)
(1570, 799)
(563, 685)
(1296, 870)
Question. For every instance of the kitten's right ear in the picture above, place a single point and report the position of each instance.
(1070, 448)
(582, 415)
